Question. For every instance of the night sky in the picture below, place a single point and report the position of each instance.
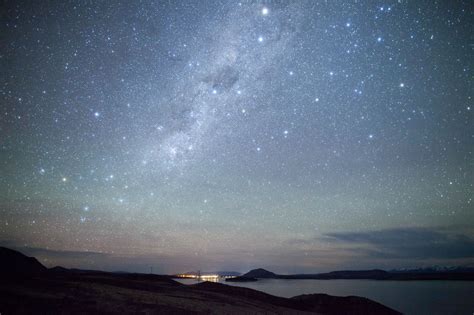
(218, 135)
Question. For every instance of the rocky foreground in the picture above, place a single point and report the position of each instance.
(61, 291)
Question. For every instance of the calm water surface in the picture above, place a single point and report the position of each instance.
(408, 297)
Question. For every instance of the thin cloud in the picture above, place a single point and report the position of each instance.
(412, 243)
(51, 253)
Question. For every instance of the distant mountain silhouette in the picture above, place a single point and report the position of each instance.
(348, 274)
(59, 269)
(241, 279)
(13, 263)
(466, 274)
(260, 273)
(436, 269)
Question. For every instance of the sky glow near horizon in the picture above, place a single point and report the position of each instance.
(299, 136)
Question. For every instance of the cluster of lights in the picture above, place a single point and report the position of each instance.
(201, 277)
(205, 277)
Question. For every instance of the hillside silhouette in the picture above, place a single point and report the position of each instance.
(32, 288)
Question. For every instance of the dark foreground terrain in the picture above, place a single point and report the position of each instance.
(35, 289)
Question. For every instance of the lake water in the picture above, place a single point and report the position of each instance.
(408, 297)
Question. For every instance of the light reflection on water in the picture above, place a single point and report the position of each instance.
(408, 297)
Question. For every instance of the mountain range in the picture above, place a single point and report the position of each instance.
(374, 274)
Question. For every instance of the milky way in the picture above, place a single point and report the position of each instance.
(299, 136)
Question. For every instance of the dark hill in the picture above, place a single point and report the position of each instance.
(318, 303)
(13, 263)
(58, 269)
(327, 304)
(260, 273)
